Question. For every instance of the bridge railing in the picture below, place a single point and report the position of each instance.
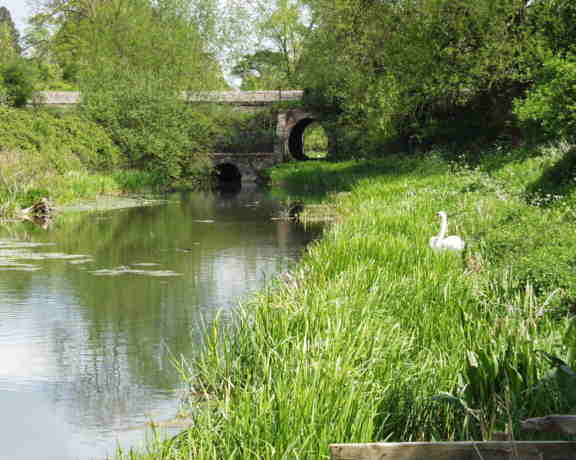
(222, 97)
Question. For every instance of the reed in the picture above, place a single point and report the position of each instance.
(373, 336)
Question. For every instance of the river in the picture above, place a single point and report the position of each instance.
(95, 309)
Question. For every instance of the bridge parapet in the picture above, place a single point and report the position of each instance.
(249, 98)
(245, 97)
(56, 97)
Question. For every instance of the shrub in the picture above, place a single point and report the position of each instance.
(551, 103)
(153, 128)
(19, 81)
(44, 155)
(4, 98)
(67, 142)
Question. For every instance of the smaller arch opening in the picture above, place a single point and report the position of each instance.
(308, 140)
(227, 173)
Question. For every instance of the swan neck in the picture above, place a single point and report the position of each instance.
(443, 226)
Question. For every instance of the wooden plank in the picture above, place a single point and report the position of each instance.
(485, 450)
(564, 424)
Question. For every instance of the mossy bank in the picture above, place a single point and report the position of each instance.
(374, 336)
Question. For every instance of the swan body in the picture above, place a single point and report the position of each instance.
(441, 242)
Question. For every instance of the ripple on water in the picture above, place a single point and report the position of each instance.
(18, 267)
(12, 244)
(124, 270)
(12, 252)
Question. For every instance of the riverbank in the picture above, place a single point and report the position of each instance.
(374, 336)
(60, 156)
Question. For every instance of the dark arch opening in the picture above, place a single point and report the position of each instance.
(227, 173)
(296, 141)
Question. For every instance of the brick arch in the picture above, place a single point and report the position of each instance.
(294, 123)
(248, 165)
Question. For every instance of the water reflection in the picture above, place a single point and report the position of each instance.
(94, 309)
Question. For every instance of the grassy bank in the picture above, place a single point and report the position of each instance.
(373, 336)
(62, 157)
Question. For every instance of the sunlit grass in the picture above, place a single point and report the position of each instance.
(315, 141)
(373, 336)
(26, 177)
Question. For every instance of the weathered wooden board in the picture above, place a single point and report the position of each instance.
(564, 424)
(485, 450)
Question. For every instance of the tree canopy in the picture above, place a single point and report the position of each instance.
(9, 37)
(383, 68)
(410, 68)
(276, 31)
(163, 38)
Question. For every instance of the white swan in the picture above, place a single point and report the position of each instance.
(441, 242)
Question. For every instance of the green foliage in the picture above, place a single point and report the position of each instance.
(410, 69)
(554, 21)
(171, 36)
(17, 76)
(19, 79)
(9, 37)
(261, 70)
(279, 29)
(152, 126)
(245, 132)
(51, 77)
(72, 140)
(551, 102)
(43, 154)
(315, 141)
(132, 60)
(4, 98)
(562, 377)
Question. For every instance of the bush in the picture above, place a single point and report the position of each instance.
(19, 79)
(153, 128)
(4, 98)
(551, 103)
(43, 155)
(66, 142)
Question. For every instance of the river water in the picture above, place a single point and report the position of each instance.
(94, 310)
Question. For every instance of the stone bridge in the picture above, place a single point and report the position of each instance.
(287, 143)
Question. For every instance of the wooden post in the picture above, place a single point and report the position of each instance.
(467, 450)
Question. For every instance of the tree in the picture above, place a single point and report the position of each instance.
(555, 22)
(162, 37)
(9, 37)
(262, 70)
(405, 68)
(284, 25)
(276, 31)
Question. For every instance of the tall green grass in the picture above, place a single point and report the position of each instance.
(373, 336)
